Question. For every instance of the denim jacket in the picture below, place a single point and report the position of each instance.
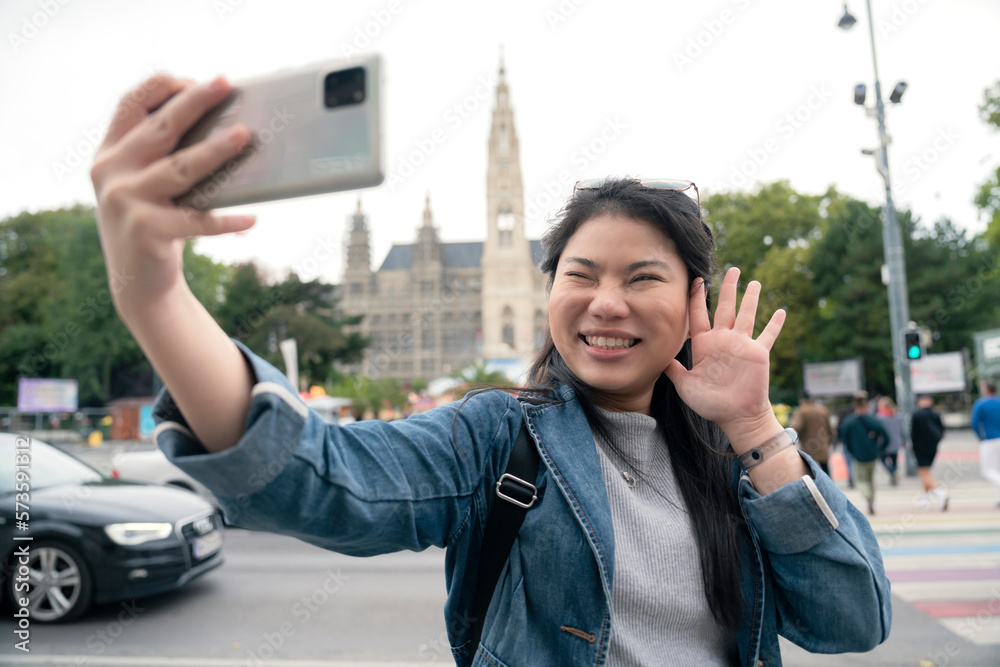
(374, 487)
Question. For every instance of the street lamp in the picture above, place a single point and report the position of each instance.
(892, 241)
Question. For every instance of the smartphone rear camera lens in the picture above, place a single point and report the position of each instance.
(344, 87)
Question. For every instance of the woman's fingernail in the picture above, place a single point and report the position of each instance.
(217, 84)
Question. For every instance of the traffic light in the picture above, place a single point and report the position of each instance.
(911, 341)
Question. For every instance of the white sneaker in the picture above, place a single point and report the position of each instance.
(924, 501)
(943, 497)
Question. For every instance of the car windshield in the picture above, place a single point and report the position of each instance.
(45, 465)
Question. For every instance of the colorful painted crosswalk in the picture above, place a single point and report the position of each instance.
(947, 566)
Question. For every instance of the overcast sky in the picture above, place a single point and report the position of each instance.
(724, 92)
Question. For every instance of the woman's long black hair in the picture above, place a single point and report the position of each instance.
(700, 454)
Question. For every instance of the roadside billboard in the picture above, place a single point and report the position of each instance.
(938, 373)
(833, 378)
(46, 395)
(987, 353)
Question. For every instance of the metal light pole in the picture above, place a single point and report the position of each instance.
(892, 241)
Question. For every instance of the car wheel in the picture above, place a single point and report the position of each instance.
(59, 584)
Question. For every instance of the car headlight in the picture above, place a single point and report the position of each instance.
(130, 534)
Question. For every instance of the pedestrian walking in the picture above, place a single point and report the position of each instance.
(986, 425)
(894, 427)
(812, 422)
(843, 413)
(865, 438)
(926, 431)
(663, 515)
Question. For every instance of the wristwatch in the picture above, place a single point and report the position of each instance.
(768, 448)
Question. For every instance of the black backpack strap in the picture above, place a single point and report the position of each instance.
(516, 494)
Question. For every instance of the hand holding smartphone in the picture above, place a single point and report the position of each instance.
(314, 130)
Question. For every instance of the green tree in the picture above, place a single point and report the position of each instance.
(988, 197)
(953, 284)
(961, 295)
(263, 315)
(59, 320)
(769, 234)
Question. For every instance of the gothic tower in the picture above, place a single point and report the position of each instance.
(358, 273)
(509, 303)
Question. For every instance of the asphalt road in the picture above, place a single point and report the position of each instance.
(274, 599)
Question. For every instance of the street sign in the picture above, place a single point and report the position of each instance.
(987, 353)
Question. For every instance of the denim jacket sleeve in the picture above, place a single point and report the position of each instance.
(366, 488)
(830, 591)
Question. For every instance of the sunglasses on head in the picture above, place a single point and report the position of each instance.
(654, 183)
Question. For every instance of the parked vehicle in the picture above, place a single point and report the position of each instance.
(333, 409)
(152, 467)
(93, 539)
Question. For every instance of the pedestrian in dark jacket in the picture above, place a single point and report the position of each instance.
(926, 431)
(865, 438)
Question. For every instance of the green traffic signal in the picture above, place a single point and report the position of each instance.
(912, 344)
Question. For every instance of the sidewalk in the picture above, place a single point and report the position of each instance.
(944, 567)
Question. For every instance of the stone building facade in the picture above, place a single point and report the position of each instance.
(432, 308)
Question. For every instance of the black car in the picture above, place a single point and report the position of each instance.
(70, 537)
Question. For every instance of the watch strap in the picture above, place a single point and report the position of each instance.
(768, 448)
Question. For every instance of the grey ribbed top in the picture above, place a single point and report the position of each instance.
(661, 615)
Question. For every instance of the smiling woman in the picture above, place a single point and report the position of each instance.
(618, 307)
(665, 489)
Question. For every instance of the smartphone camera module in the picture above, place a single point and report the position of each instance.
(344, 88)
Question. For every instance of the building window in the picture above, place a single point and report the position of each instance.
(505, 224)
(507, 327)
(539, 329)
(392, 318)
(427, 365)
(427, 339)
(427, 286)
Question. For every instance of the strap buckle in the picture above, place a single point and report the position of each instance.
(519, 487)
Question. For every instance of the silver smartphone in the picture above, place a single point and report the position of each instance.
(314, 130)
